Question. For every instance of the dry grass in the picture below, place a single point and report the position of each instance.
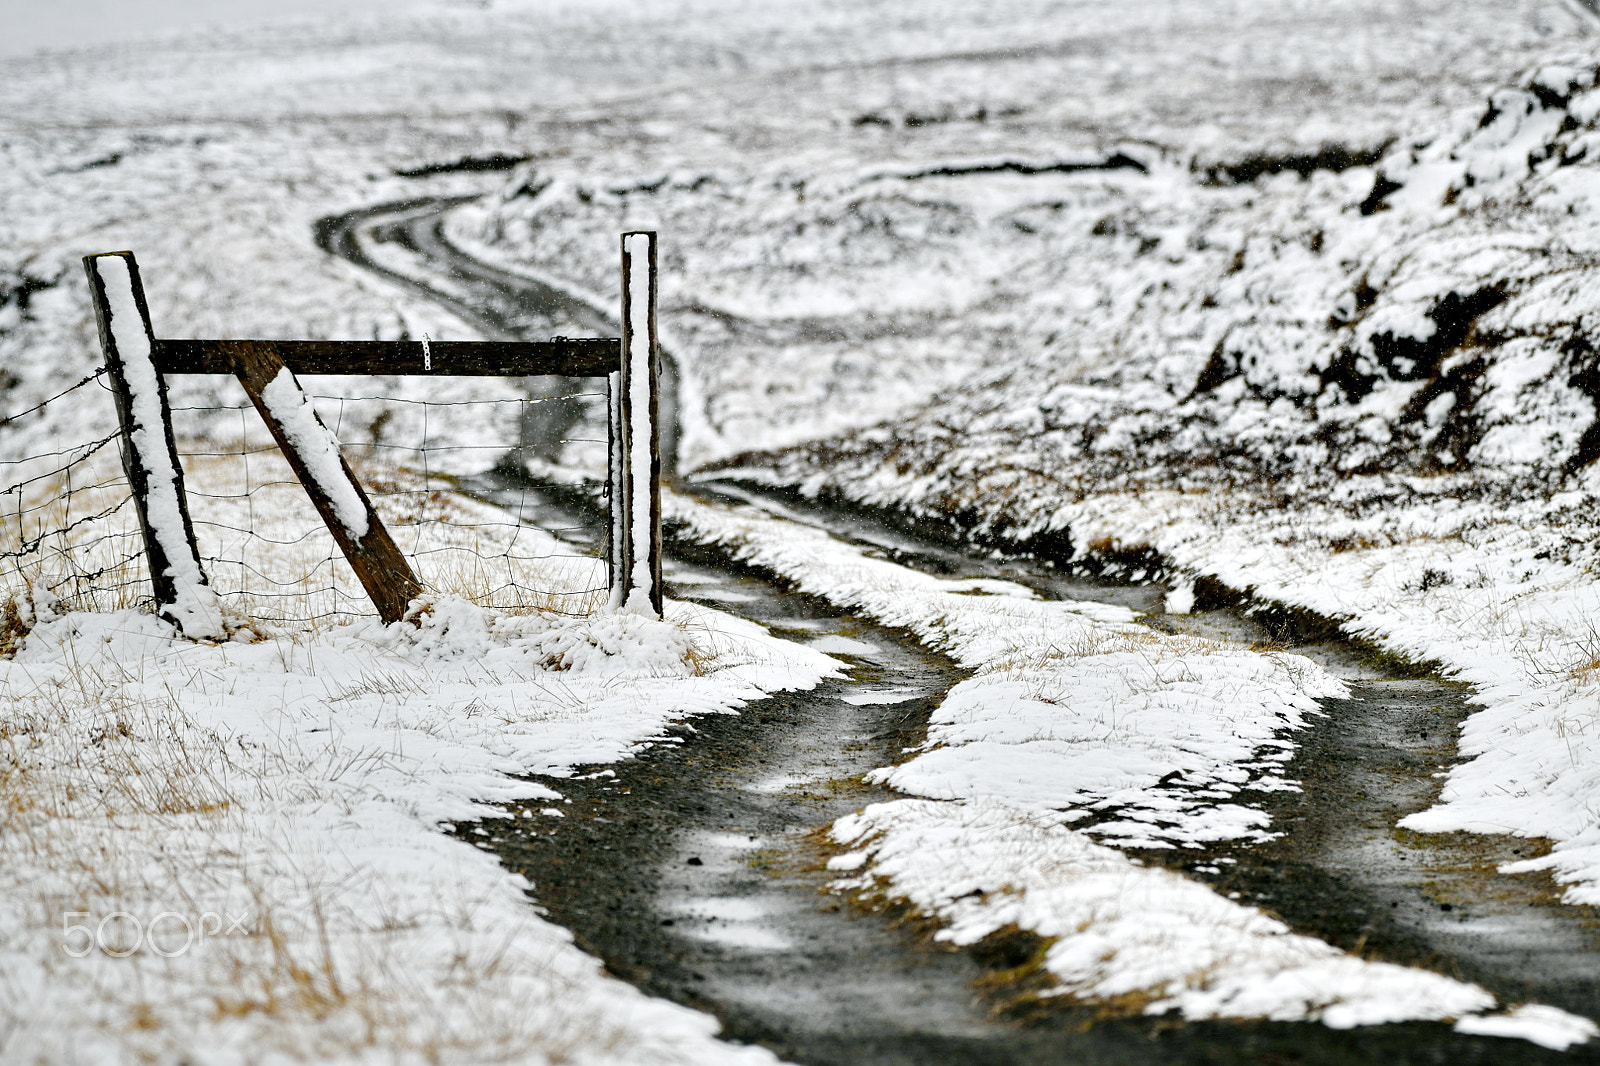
(73, 544)
(115, 799)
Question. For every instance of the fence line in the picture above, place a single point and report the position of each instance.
(67, 531)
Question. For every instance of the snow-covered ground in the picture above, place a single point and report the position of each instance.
(1071, 708)
(1376, 401)
(232, 852)
(1265, 289)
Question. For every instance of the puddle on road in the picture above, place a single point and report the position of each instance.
(869, 696)
(1342, 869)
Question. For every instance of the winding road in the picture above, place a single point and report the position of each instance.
(694, 871)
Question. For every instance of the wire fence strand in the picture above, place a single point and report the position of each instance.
(69, 539)
(40, 406)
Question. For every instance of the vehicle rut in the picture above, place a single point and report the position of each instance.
(695, 870)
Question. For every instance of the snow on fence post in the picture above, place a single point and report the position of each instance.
(635, 437)
(617, 554)
(313, 454)
(149, 455)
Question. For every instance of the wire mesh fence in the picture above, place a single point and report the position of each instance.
(71, 535)
(68, 530)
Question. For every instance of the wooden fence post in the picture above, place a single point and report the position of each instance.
(313, 453)
(636, 554)
(618, 556)
(149, 455)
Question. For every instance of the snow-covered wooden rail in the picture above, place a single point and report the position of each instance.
(137, 362)
(313, 453)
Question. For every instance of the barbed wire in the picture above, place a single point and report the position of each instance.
(91, 448)
(41, 405)
(29, 546)
(67, 532)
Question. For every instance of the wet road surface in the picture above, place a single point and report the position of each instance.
(695, 870)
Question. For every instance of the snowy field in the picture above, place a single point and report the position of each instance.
(231, 852)
(1288, 295)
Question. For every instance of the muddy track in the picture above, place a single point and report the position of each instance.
(694, 870)
(1342, 870)
(504, 306)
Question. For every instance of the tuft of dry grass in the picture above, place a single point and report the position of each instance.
(13, 628)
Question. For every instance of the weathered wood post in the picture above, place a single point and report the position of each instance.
(149, 455)
(636, 442)
(313, 453)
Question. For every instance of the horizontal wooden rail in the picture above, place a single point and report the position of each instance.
(572, 357)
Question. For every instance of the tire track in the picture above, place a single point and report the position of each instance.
(691, 873)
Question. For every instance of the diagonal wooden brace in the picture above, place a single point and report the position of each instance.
(313, 453)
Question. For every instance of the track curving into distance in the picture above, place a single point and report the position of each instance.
(504, 306)
(693, 870)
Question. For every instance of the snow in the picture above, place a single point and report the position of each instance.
(194, 608)
(641, 583)
(281, 801)
(1070, 709)
(37, 27)
(1118, 930)
(1542, 1025)
(1072, 706)
(1336, 400)
(318, 449)
(1248, 380)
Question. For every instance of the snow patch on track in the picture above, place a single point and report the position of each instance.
(1074, 709)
